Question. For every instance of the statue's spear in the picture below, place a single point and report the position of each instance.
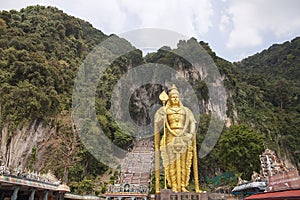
(164, 98)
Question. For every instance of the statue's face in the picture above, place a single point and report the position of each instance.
(174, 99)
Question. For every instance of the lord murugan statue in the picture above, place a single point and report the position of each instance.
(177, 147)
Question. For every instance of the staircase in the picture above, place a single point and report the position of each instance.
(138, 164)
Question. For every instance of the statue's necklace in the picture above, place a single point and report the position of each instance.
(176, 111)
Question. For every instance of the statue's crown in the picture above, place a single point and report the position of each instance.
(173, 90)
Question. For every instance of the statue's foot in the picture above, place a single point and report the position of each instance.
(184, 189)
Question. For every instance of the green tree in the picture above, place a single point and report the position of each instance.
(86, 186)
(282, 92)
(239, 148)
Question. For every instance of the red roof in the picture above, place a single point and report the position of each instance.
(287, 194)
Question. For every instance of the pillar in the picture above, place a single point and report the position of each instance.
(31, 197)
(56, 195)
(46, 195)
(2, 195)
(15, 193)
(61, 196)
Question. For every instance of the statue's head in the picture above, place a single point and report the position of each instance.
(174, 97)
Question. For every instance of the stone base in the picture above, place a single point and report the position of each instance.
(169, 195)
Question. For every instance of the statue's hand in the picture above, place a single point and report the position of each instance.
(162, 112)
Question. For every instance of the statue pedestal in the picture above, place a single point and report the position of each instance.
(169, 195)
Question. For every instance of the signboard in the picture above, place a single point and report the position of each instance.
(284, 180)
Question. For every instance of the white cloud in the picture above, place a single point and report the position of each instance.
(8, 5)
(104, 15)
(252, 20)
(232, 27)
(192, 17)
(225, 23)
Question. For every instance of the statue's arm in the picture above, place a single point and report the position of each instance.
(159, 119)
(158, 124)
(192, 121)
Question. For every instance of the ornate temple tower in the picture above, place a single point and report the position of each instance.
(270, 164)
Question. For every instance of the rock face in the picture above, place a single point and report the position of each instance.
(144, 100)
(33, 138)
(16, 147)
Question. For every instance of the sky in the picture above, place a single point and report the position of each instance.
(234, 29)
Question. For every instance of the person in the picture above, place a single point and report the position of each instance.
(177, 145)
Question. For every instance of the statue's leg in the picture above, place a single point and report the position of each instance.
(178, 172)
(172, 172)
(183, 171)
(189, 157)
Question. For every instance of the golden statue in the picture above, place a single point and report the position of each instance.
(178, 143)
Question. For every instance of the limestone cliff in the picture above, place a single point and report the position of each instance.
(17, 146)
